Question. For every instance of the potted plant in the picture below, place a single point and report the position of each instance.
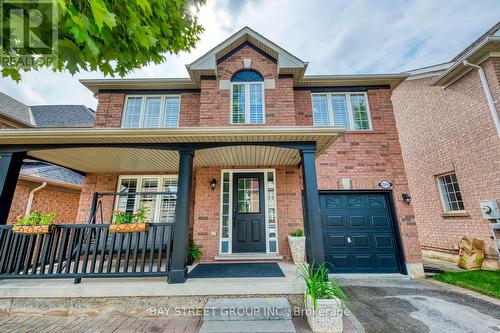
(129, 222)
(323, 298)
(193, 253)
(297, 243)
(34, 223)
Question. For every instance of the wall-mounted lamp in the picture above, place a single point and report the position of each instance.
(213, 183)
(406, 197)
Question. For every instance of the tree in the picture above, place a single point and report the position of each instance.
(112, 36)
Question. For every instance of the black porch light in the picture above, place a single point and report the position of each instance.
(213, 183)
(406, 197)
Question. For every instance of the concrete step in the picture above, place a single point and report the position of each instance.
(247, 309)
(248, 326)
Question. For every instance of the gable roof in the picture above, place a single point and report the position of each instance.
(63, 116)
(207, 64)
(475, 53)
(49, 172)
(15, 111)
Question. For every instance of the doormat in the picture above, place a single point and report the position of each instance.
(237, 270)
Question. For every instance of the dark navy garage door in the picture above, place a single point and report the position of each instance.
(358, 232)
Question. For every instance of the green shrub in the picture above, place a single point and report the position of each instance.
(297, 233)
(36, 218)
(320, 286)
(193, 253)
(121, 217)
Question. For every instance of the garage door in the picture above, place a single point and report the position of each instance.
(358, 232)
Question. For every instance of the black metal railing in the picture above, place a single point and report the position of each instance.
(84, 251)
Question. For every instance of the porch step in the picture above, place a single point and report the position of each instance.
(247, 315)
(248, 326)
(248, 256)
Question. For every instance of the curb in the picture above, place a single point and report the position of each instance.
(464, 291)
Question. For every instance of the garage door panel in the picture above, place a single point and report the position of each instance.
(366, 219)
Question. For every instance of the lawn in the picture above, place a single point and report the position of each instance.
(484, 282)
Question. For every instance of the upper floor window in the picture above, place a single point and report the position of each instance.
(151, 111)
(450, 193)
(349, 110)
(247, 98)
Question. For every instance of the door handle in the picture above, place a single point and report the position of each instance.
(349, 240)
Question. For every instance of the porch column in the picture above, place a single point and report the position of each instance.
(312, 223)
(178, 272)
(10, 165)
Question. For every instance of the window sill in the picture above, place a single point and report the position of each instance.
(456, 214)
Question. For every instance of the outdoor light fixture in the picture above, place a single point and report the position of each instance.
(406, 197)
(385, 184)
(213, 183)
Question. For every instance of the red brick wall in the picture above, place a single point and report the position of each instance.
(207, 209)
(97, 182)
(109, 110)
(44, 200)
(366, 158)
(445, 130)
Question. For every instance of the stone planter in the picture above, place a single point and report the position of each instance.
(297, 248)
(327, 318)
(32, 229)
(132, 227)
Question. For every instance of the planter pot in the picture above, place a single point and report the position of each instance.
(32, 229)
(327, 318)
(297, 248)
(132, 227)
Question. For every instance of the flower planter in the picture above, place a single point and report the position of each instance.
(131, 227)
(297, 248)
(327, 318)
(32, 229)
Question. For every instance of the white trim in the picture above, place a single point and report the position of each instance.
(142, 115)
(444, 198)
(140, 178)
(230, 220)
(349, 109)
(247, 102)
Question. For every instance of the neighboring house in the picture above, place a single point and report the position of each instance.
(236, 154)
(451, 146)
(54, 188)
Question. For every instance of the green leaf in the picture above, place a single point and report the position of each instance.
(101, 14)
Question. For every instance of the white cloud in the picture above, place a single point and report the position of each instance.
(334, 36)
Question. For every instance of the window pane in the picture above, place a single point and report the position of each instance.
(248, 195)
(126, 203)
(152, 112)
(132, 116)
(340, 113)
(320, 110)
(172, 107)
(238, 103)
(167, 209)
(450, 193)
(149, 200)
(256, 108)
(359, 111)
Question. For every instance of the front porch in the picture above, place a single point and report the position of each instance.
(231, 156)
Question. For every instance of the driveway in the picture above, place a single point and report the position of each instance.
(414, 306)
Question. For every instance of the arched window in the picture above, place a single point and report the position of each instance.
(247, 98)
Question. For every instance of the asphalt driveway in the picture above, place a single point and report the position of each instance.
(412, 306)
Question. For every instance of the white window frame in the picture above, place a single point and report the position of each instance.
(140, 179)
(247, 102)
(444, 196)
(143, 110)
(349, 109)
(230, 231)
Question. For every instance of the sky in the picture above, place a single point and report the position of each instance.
(334, 36)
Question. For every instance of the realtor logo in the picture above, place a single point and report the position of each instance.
(28, 30)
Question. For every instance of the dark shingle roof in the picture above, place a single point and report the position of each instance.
(14, 108)
(46, 171)
(62, 116)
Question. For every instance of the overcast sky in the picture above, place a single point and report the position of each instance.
(334, 36)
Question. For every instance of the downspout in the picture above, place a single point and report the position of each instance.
(487, 93)
(32, 194)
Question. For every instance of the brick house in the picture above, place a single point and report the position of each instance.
(451, 146)
(41, 184)
(241, 153)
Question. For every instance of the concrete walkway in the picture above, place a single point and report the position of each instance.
(398, 305)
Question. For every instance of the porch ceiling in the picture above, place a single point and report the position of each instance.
(140, 159)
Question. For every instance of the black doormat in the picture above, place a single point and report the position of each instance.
(237, 270)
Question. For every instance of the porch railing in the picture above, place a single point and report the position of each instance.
(84, 251)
